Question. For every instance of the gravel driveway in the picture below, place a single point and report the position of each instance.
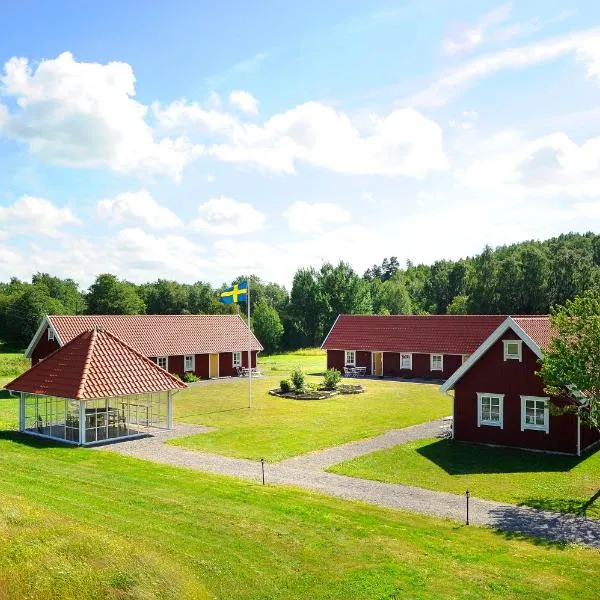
(305, 472)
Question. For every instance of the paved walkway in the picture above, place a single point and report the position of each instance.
(306, 474)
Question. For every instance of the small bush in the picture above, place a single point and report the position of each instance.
(285, 386)
(297, 376)
(189, 377)
(331, 379)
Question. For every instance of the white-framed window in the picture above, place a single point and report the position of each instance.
(189, 362)
(406, 361)
(51, 336)
(163, 362)
(350, 358)
(237, 359)
(490, 409)
(513, 349)
(436, 362)
(535, 413)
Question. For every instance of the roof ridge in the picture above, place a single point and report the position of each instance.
(86, 365)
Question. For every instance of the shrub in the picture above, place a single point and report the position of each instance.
(285, 386)
(331, 378)
(189, 377)
(297, 377)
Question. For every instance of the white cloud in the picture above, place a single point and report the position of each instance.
(138, 207)
(368, 197)
(546, 166)
(85, 115)
(402, 143)
(226, 216)
(305, 217)
(244, 100)
(464, 38)
(36, 215)
(583, 43)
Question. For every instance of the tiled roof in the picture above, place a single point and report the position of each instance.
(448, 334)
(164, 335)
(538, 328)
(95, 364)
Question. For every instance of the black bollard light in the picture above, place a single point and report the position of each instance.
(262, 464)
(467, 495)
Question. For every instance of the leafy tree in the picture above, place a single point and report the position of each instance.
(65, 290)
(571, 361)
(482, 299)
(25, 311)
(166, 298)
(458, 306)
(110, 296)
(391, 296)
(267, 326)
(307, 306)
(534, 290)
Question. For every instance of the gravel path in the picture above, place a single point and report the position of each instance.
(322, 459)
(506, 517)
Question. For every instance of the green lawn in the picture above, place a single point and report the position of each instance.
(546, 481)
(312, 361)
(277, 428)
(12, 364)
(82, 524)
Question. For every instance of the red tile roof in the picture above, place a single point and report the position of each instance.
(95, 364)
(448, 334)
(164, 335)
(538, 328)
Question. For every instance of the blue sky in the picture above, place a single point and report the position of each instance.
(198, 140)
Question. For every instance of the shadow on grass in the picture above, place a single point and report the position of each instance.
(210, 412)
(545, 529)
(575, 506)
(459, 458)
(32, 441)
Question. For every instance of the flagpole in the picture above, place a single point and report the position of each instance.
(249, 348)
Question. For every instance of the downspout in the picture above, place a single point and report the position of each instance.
(578, 436)
(453, 411)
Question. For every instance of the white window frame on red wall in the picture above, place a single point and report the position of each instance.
(166, 359)
(349, 363)
(51, 335)
(236, 358)
(480, 420)
(402, 357)
(546, 408)
(511, 355)
(431, 359)
(192, 368)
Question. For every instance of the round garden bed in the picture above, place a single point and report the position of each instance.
(343, 389)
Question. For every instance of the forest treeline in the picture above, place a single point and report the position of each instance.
(524, 278)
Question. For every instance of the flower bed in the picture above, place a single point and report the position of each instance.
(319, 394)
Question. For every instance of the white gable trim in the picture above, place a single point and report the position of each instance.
(508, 323)
(46, 322)
(330, 330)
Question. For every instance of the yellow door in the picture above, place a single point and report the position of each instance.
(378, 364)
(213, 368)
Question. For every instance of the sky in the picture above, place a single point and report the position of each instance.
(200, 140)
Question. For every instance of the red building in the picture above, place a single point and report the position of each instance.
(499, 399)
(408, 346)
(206, 345)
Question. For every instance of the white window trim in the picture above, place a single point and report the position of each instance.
(51, 334)
(233, 361)
(185, 357)
(166, 367)
(410, 364)
(348, 363)
(480, 421)
(431, 356)
(519, 355)
(527, 426)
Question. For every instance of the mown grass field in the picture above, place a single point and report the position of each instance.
(545, 481)
(277, 428)
(83, 524)
(312, 361)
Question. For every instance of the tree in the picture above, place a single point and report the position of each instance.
(458, 306)
(391, 296)
(267, 326)
(307, 306)
(110, 296)
(571, 360)
(166, 298)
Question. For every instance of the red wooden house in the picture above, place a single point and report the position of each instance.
(410, 346)
(499, 399)
(206, 345)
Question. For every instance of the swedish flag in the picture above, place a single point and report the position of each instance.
(235, 294)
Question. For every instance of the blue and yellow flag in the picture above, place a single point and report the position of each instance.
(235, 294)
